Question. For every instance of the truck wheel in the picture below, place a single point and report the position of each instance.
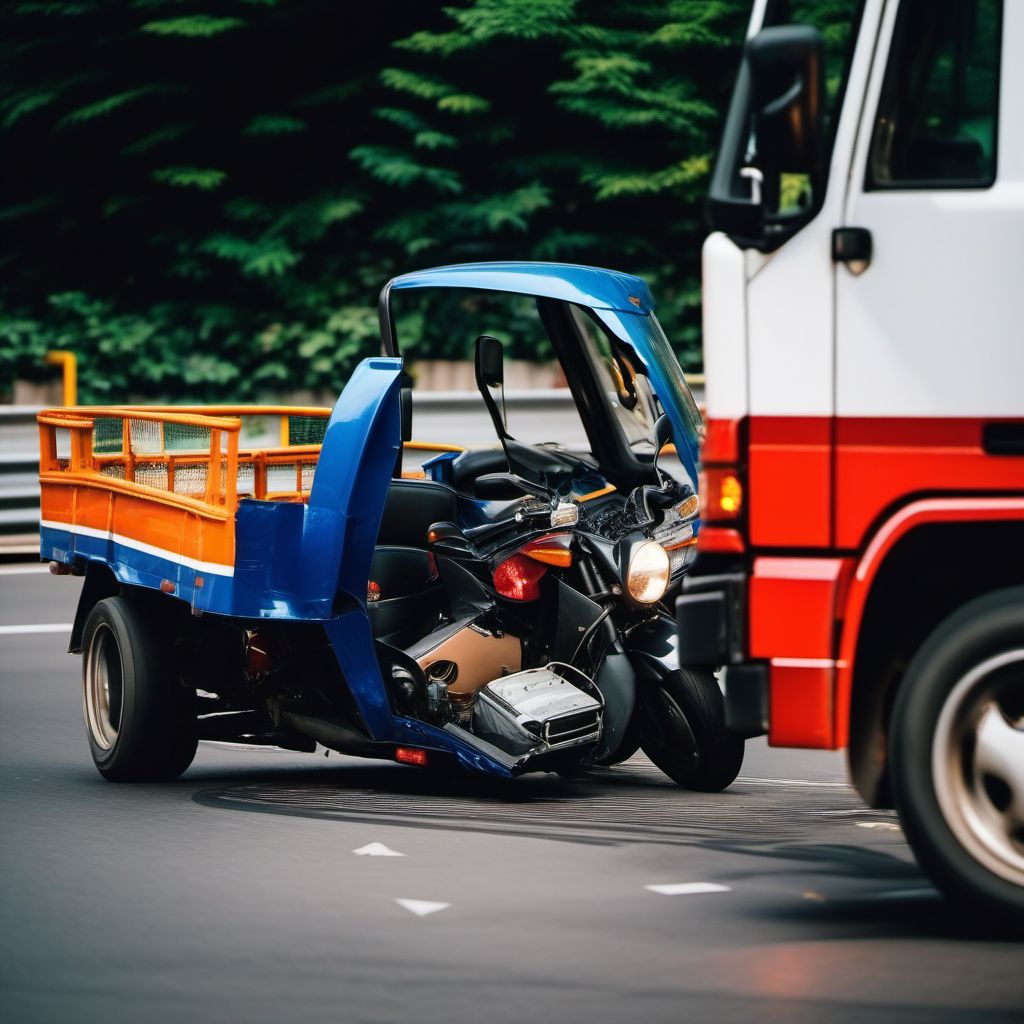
(684, 731)
(141, 725)
(956, 751)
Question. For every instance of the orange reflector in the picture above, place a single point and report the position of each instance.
(551, 550)
(166, 586)
(411, 755)
(682, 544)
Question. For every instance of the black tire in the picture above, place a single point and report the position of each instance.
(966, 680)
(684, 733)
(141, 725)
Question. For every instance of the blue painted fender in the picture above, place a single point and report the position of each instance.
(346, 503)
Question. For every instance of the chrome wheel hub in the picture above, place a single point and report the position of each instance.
(978, 764)
(103, 687)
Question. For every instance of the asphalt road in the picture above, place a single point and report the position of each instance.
(235, 894)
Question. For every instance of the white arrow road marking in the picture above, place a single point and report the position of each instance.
(37, 627)
(376, 850)
(687, 888)
(422, 907)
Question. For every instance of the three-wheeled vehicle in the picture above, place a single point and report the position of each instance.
(503, 609)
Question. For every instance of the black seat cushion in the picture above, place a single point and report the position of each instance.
(471, 464)
(412, 507)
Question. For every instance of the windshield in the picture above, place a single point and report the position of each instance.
(623, 380)
(639, 336)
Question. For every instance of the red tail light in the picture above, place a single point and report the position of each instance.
(518, 578)
(411, 755)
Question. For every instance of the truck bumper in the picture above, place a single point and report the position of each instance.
(710, 614)
(774, 631)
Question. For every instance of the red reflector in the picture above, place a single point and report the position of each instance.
(411, 755)
(518, 578)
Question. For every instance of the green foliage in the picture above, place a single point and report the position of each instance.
(205, 205)
(203, 178)
(196, 26)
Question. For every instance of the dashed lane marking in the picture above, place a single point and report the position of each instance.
(36, 627)
(376, 850)
(421, 908)
(793, 782)
(687, 888)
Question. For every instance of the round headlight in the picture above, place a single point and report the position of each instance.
(647, 576)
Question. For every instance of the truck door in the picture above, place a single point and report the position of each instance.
(928, 333)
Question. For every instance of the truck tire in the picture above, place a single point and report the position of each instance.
(684, 733)
(956, 754)
(141, 725)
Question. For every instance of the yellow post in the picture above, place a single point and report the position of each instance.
(68, 362)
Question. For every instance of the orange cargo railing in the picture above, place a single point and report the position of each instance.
(192, 456)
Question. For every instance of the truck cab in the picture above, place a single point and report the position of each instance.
(863, 468)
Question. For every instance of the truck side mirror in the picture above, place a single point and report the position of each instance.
(769, 177)
(786, 100)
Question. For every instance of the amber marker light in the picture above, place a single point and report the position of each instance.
(688, 507)
(721, 494)
(551, 550)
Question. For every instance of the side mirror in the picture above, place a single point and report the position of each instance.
(490, 362)
(490, 380)
(769, 178)
(662, 431)
(787, 88)
(662, 436)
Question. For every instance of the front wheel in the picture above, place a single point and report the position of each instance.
(684, 733)
(956, 754)
(141, 724)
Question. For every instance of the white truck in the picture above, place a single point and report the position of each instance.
(862, 569)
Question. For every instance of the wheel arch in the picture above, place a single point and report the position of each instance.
(930, 558)
(99, 582)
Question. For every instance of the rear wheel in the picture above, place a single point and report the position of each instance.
(141, 725)
(956, 754)
(684, 733)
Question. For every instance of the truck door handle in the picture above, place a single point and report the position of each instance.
(852, 246)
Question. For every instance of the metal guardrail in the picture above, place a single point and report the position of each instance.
(453, 417)
(19, 478)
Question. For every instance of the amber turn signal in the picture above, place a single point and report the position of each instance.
(721, 494)
(551, 550)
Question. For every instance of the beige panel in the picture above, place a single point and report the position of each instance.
(480, 657)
